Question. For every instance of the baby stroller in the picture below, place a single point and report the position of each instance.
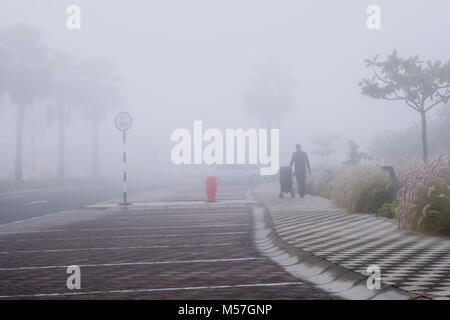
(286, 182)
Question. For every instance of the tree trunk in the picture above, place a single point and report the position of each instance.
(95, 145)
(424, 137)
(18, 169)
(269, 125)
(33, 171)
(61, 111)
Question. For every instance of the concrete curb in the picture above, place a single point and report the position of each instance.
(339, 282)
(167, 204)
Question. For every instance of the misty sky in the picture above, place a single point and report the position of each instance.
(190, 60)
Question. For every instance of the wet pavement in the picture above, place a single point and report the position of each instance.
(196, 251)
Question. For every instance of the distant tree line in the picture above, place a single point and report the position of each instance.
(33, 74)
(400, 146)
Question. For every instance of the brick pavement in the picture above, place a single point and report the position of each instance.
(180, 252)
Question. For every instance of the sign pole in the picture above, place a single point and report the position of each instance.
(123, 122)
(124, 167)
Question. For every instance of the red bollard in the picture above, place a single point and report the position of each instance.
(211, 188)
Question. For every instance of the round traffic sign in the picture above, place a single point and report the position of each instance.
(123, 121)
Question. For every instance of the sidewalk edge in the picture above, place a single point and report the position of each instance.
(338, 281)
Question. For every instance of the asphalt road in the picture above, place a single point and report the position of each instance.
(191, 250)
(26, 204)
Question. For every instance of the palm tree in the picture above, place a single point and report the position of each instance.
(3, 74)
(269, 95)
(27, 76)
(99, 94)
(66, 94)
(4, 58)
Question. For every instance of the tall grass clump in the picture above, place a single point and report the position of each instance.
(357, 189)
(319, 183)
(362, 189)
(425, 198)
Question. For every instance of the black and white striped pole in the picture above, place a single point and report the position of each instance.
(123, 122)
(124, 167)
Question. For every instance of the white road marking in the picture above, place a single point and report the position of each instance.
(37, 295)
(169, 227)
(125, 237)
(36, 202)
(107, 222)
(43, 216)
(120, 248)
(31, 231)
(18, 221)
(130, 228)
(16, 196)
(131, 215)
(134, 263)
(152, 215)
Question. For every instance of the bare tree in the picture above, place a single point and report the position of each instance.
(325, 146)
(354, 155)
(421, 86)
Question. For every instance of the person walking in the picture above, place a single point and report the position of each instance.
(301, 161)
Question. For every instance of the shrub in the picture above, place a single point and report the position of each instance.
(361, 189)
(423, 203)
(389, 209)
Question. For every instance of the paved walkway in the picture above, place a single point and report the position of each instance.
(182, 250)
(420, 264)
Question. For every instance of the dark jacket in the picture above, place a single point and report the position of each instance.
(301, 161)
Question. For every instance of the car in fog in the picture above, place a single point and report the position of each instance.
(231, 173)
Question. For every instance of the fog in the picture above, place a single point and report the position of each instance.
(175, 62)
